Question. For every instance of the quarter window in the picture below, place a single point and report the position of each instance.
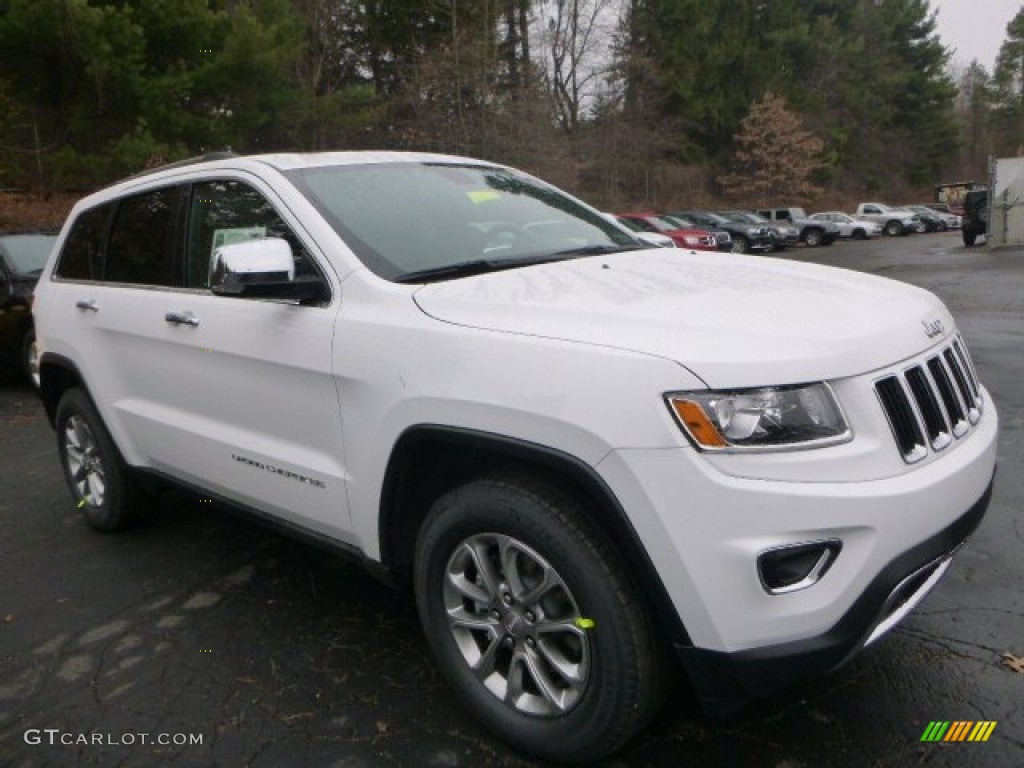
(81, 257)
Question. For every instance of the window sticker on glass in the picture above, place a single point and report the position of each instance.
(478, 196)
(236, 235)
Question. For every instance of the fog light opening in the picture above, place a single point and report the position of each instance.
(795, 567)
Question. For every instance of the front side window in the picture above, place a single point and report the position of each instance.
(413, 221)
(223, 212)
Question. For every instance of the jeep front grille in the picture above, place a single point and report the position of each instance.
(933, 402)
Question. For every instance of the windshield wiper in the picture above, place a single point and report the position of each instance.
(598, 250)
(483, 266)
(462, 269)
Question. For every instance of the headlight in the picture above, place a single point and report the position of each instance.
(763, 419)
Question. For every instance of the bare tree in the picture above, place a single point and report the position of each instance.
(577, 39)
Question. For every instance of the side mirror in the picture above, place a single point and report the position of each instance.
(263, 268)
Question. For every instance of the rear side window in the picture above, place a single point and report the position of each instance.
(82, 255)
(146, 239)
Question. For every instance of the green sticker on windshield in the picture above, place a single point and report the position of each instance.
(483, 195)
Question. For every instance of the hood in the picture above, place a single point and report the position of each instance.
(734, 321)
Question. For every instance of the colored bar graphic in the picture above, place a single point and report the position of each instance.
(982, 730)
(935, 731)
(958, 730)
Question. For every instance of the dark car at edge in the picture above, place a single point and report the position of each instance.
(22, 257)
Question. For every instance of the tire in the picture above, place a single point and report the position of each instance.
(969, 238)
(30, 357)
(943, 226)
(570, 672)
(100, 482)
(859, 234)
(740, 244)
(813, 237)
(893, 228)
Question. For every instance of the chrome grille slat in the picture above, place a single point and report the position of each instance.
(932, 402)
(955, 408)
(935, 422)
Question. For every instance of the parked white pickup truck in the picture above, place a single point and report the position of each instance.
(894, 221)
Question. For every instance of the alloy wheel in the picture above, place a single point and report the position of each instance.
(517, 625)
(85, 464)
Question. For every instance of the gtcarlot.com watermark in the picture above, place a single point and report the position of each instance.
(55, 737)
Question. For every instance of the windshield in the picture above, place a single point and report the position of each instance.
(710, 218)
(680, 222)
(26, 254)
(666, 223)
(412, 221)
(745, 217)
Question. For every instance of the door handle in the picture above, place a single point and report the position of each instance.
(87, 305)
(182, 318)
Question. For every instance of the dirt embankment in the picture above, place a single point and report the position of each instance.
(21, 211)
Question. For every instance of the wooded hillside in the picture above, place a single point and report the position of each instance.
(625, 102)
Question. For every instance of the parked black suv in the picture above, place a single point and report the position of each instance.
(975, 219)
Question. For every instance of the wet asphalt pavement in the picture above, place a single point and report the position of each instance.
(230, 645)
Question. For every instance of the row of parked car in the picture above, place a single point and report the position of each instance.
(772, 229)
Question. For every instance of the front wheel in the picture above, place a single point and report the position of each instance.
(534, 620)
(813, 237)
(893, 228)
(740, 244)
(100, 483)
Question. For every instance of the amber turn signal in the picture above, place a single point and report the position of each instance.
(698, 424)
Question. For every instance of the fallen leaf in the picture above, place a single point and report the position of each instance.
(382, 727)
(9, 618)
(1016, 663)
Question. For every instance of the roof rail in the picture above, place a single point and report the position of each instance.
(209, 157)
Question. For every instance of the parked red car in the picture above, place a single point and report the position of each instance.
(695, 239)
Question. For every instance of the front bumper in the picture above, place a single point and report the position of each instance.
(704, 531)
(723, 681)
(760, 242)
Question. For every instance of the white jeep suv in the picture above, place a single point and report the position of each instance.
(581, 451)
